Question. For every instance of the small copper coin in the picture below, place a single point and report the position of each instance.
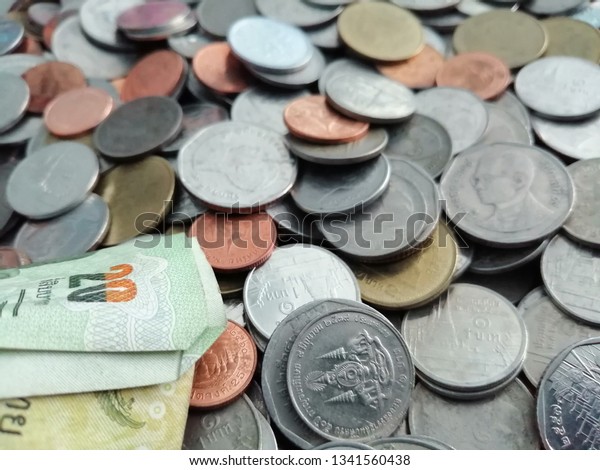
(225, 371)
(11, 258)
(418, 72)
(157, 74)
(235, 243)
(47, 81)
(77, 111)
(310, 118)
(482, 73)
(217, 68)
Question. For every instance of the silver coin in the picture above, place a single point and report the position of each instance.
(269, 441)
(471, 339)
(255, 394)
(343, 445)
(14, 99)
(503, 127)
(550, 331)
(236, 166)
(358, 151)
(189, 44)
(510, 103)
(571, 274)
(28, 127)
(560, 87)
(185, 208)
(579, 139)
(99, 21)
(139, 127)
(445, 22)
(291, 220)
(264, 107)
(503, 422)
(589, 13)
(7, 166)
(350, 376)
(488, 260)
(529, 301)
(567, 401)
(326, 189)
(11, 35)
(69, 44)
(18, 64)
(298, 12)
(461, 112)
(584, 223)
(409, 443)
(106, 86)
(433, 39)
(260, 341)
(196, 117)
(552, 7)
(403, 428)
(294, 276)
(429, 6)
(422, 141)
(510, 195)
(402, 219)
(53, 180)
(234, 427)
(183, 24)
(342, 67)
(464, 260)
(478, 7)
(325, 37)
(72, 234)
(370, 97)
(216, 16)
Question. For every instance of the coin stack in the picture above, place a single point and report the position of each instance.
(397, 200)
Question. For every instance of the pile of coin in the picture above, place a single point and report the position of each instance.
(388, 193)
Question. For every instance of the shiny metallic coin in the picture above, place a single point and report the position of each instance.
(409, 443)
(584, 224)
(269, 441)
(589, 14)
(444, 22)
(418, 72)
(342, 67)
(294, 224)
(505, 421)
(503, 127)
(529, 301)
(566, 410)
(189, 44)
(323, 190)
(20, 133)
(478, 7)
(511, 104)
(139, 127)
(155, 20)
(325, 37)
(488, 260)
(577, 139)
(466, 252)
(11, 35)
(428, 6)
(216, 16)
(18, 64)
(571, 274)
(237, 167)
(569, 37)
(67, 236)
(294, 276)
(298, 12)
(422, 141)
(461, 112)
(511, 195)
(53, 180)
(260, 341)
(14, 99)
(552, 7)
(343, 445)
(99, 21)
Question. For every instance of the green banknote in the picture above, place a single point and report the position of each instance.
(118, 318)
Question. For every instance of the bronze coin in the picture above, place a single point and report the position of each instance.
(417, 72)
(217, 68)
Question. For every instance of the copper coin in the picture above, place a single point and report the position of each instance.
(217, 68)
(225, 370)
(157, 74)
(11, 258)
(29, 46)
(47, 81)
(77, 111)
(310, 118)
(235, 243)
(482, 73)
(418, 72)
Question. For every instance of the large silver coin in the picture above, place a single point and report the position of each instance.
(510, 195)
(53, 180)
(235, 427)
(469, 340)
(326, 189)
(567, 404)
(510, 103)
(14, 99)
(343, 67)
(461, 112)
(550, 332)
(560, 87)
(584, 222)
(409, 443)
(26, 129)
(297, 12)
(217, 16)
(99, 21)
(237, 167)
(503, 127)
(350, 376)
(571, 274)
(552, 7)
(503, 422)
(370, 97)
(70, 235)
(294, 276)
(422, 141)
(427, 6)
(489, 260)
(290, 220)
(11, 35)
(578, 139)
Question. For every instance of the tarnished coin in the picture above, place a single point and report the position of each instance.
(515, 38)
(216, 16)
(552, 7)
(294, 276)
(323, 190)
(237, 167)
(11, 258)
(510, 195)
(235, 427)
(504, 421)
(571, 274)
(584, 223)
(577, 139)
(470, 340)
(298, 12)
(99, 21)
(293, 223)
(53, 180)
(503, 127)
(569, 37)
(381, 31)
(462, 114)
(11, 35)
(567, 401)
(560, 87)
(418, 71)
(67, 236)
(409, 443)
(488, 260)
(14, 100)
(347, 382)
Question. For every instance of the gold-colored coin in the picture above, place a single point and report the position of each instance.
(232, 284)
(381, 31)
(516, 38)
(138, 195)
(569, 37)
(413, 281)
